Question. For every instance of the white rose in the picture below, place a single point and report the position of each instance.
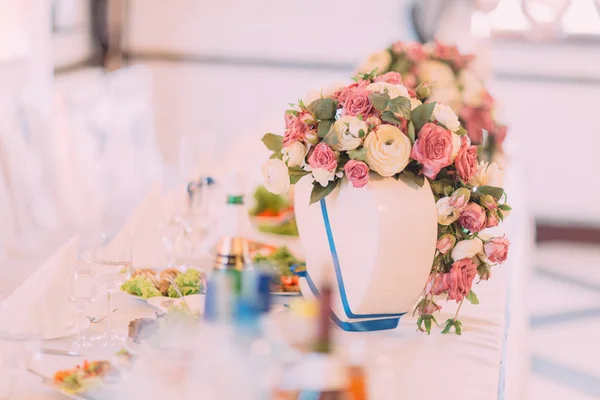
(380, 60)
(446, 214)
(276, 176)
(323, 176)
(467, 249)
(445, 116)
(388, 150)
(488, 175)
(456, 143)
(356, 126)
(346, 140)
(414, 103)
(437, 73)
(294, 154)
(449, 95)
(392, 90)
(472, 88)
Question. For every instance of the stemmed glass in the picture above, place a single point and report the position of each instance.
(113, 260)
(82, 293)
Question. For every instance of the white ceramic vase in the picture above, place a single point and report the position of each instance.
(384, 236)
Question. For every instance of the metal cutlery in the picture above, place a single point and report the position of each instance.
(57, 352)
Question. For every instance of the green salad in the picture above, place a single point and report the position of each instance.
(282, 259)
(267, 203)
(141, 286)
(188, 283)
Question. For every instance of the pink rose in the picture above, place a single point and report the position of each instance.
(436, 284)
(499, 134)
(298, 128)
(429, 307)
(410, 80)
(357, 102)
(342, 94)
(460, 198)
(472, 218)
(322, 157)
(475, 120)
(488, 202)
(414, 52)
(389, 77)
(466, 161)
(445, 243)
(357, 173)
(433, 149)
(492, 219)
(460, 279)
(496, 249)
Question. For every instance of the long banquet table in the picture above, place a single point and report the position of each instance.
(489, 361)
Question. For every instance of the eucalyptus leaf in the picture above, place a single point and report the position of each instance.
(323, 108)
(412, 177)
(379, 100)
(273, 142)
(428, 325)
(400, 105)
(493, 191)
(277, 155)
(505, 207)
(390, 117)
(448, 324)
(330, 138)
(411, 132)
(324, 127)
(296, 174)
(319, 192)
(461, 131)
(359, 154)
(421, 115)
(472, 297)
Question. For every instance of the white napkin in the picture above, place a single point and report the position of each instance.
(40, 306)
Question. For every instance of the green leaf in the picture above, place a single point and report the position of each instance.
(400, 105)
(359, 154)
(323, 108)
(420, 323)
(330, 138)
(449, 324)
(421, 115)
(324, 127)
(505, 207)
(493, 191)
(472, 297)
(412, 177)
(411, 132)
(458, 327)
(319, 192)
(292, 112)
(461, 131)
(379, 100)
(277, 155)
(389, 116)
(273, 142)
(428, 325)
(296, 174)
(402, 65)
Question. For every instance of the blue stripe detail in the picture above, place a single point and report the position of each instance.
(362, 326)
(338, 271)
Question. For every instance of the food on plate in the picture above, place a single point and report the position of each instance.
(273, 213)
(284, 280)
(157, 330)
(147, 283)
(141, 329)
(83, 376)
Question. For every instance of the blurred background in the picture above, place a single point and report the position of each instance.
(101, 98)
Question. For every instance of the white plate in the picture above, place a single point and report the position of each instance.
(72, 329)
(195, 301)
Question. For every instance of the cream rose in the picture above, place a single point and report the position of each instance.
(456, 143)
(294, 154)
(467, 249)
(488, 175)
(323, 176)
(449, 95)
(388, 150)
(445, 116)
(414, 103)
(329, 90)
(346, 139)
(392, 90)
(472, 88)
(276, 176)
(446, 213)
(380, 60)
(437, 73)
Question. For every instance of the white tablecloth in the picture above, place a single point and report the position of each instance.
(489, 361)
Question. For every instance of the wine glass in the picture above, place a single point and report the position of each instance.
(112, 258)
(82, 293)
(175, 236)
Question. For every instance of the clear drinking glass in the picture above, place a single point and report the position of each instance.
(82, 293)
(112, 259)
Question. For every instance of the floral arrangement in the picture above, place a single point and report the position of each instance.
(453, 83)
(377, 128)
